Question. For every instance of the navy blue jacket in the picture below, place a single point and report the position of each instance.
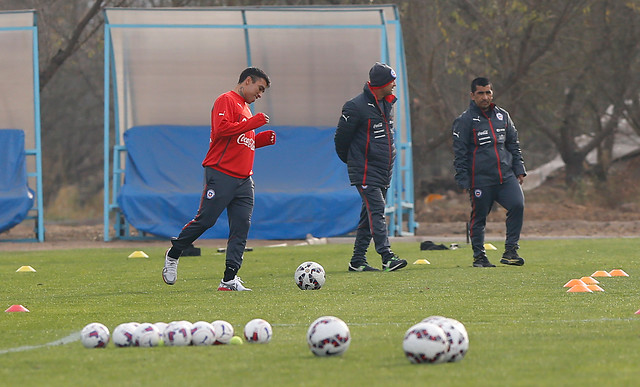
(486, 147)
(364, 139)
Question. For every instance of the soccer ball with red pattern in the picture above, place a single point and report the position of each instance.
(123, 334)
(328, 336)
(309, 276)
(426, 342)
(258, 331)
(456, 334)
(224, 332)
(177, 334)
(146, 335)
(94, 335)
(202, 333)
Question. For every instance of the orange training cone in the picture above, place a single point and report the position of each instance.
(589, 281)
(595, 288)
(600, 273)
(574, 282)
(618, 273)
(579, 289)
(16, 308)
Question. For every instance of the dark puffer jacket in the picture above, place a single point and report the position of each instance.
(364, 139)
(486, 147)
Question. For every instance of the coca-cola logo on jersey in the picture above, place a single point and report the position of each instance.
(249, 142)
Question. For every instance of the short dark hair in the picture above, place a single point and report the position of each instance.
(254, 73)
(480, 81)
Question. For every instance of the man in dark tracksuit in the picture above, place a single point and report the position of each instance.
(488, 163)
(364, 141)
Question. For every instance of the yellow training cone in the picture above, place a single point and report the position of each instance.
(489, 246)
(618, 273)
(422, 262)
(589, 281)
(138, 254)
(600, 273)
(595, 288)
(25, 269)
(573, 283)
(579, 289)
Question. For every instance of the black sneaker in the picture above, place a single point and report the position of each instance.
(393, 263)
(511, 257)
(361, 267)
(482, 261)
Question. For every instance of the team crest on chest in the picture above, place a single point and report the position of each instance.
(499, 116)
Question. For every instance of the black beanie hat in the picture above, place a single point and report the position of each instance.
(380, 75)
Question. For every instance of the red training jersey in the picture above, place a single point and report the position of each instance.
(232, 143)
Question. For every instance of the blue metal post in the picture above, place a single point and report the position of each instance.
(107, 44)
(38, 142)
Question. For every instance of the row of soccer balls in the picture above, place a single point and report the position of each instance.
(326, 336)
(434, 340)
(176, 333)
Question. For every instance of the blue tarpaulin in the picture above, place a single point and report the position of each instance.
(301, 187)
(16, 199)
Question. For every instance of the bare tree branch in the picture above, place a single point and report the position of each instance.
(73, 43)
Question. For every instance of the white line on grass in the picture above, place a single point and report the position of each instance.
(65, 340)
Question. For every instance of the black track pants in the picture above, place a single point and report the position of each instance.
(372, 223)
(509, 195)
(222, 191)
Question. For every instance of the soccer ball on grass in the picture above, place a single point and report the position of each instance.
(146, 335)
(456, 335)
(328, 336)
(309, 276)
(177, 334)
(426, 342)
(223, 330)
(202, 333)
(258, 331)
(123, 334)
(94, 335)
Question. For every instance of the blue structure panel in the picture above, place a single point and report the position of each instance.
(16, 198)
(301, 185)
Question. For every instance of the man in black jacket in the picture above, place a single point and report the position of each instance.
(364, 141)
(489, 165)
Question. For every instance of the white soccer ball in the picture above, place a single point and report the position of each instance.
(457, 336)
(258, 331)
(224, 332)
(328, 336)
(202, 333)
(426, 342)
(309, 276)
(94, 335)
(123, 334)
(146, 335)
(178, 334)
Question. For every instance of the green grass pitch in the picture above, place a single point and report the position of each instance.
(524, 328)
